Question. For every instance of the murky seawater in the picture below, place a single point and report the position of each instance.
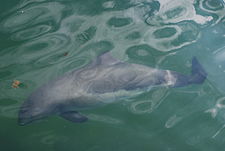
(41, 40)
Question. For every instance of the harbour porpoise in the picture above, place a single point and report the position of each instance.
(104, 80)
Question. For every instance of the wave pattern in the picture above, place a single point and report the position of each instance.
(48, 38)
(55, 34)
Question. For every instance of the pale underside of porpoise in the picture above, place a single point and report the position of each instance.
(103, 81)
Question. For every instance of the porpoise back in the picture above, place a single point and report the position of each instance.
(104, 80)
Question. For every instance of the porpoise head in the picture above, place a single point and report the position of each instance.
(34, 108)
(28, 113)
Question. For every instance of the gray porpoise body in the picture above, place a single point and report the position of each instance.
(104, 81)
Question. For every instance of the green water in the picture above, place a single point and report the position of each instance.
(40, 40)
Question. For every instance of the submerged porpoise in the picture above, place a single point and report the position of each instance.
(104, 80)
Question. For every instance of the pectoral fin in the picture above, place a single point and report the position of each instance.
(74, 116)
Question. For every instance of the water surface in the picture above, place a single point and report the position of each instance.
(41, 39)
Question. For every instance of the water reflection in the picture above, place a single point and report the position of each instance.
(213, 8)
(31, 33)
(46, 39)
(156, 97)
(175, 12)
(104, 119)
(46, 31)
(218, 106)
(32, 14)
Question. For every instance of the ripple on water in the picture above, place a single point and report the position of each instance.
(144, 53)
(164, 32)
(31, 15)
(190, 33)
(48, 137)
(175, 11)
(74, 63)
(10, 111)
(44, 47)
(148, 106)
(7, 101)
(19, 20)
(96, 48)
(104, 119)
(141, 107)
(50, 59)
(223, 21)
(86, 35)
(72, 23)
(212, 5)
(117, 22)
(220, 105)
(171, 13)
(172, 121)
(5, 74)
(133, 36)
(12, 71)
(215, 8)
(31, 33)
(9, 107)
(108, 4)
(179, 35)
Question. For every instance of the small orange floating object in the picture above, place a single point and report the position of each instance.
(16, 84)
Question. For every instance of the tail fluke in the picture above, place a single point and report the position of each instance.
(198, 74)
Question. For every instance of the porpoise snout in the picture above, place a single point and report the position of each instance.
(24, 116)
(29, 112)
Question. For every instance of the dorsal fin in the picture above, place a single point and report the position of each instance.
(104, 59)
(107, 59)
